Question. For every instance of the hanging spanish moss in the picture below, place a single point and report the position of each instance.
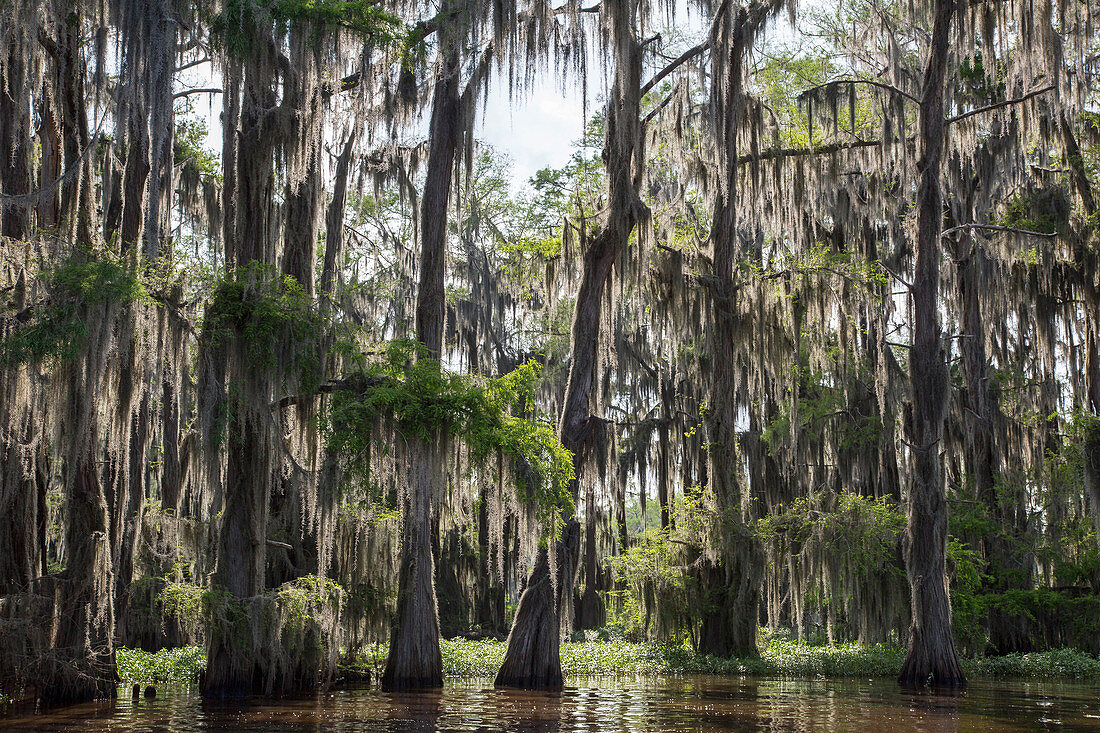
(800, 337)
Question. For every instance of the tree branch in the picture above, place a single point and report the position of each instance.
(998, 105)
(995, 228)
(204, 90)
(869, 82)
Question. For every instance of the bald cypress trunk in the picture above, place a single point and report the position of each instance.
(732, 605)
(232, 661)
(532, 660)
(15, 141)
(931, 654)
(1090, 446)
(414, 660)
(334, 223)
(76, 197)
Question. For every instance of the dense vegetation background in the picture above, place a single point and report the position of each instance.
(803, 336)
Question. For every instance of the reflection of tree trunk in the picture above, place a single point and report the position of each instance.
(931, 651)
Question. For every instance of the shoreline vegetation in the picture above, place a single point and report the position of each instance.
(779, 657)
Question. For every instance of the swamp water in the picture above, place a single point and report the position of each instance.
(610, 704)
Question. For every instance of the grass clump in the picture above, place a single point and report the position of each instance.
(167, 666)
(779, 657)
(1053, 664)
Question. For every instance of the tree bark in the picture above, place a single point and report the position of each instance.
(232, 662)
(733, 593)
(532, 659)
(76, 205)
(415, 660)
(15, 134)
(334, 222)
(931, 654)
(1090, 445)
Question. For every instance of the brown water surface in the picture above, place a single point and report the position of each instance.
(610, 704)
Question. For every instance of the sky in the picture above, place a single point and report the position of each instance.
(537, 133)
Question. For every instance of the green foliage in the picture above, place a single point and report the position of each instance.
(236, 27)
(862, 529)
(968, 609)
(303, 599)
(57, 327)
(167, 666)
(780, 657)
(423, 398)
(188, 147)
(1053, 664)
(275, 319)
(1045, 211)
(188, 603)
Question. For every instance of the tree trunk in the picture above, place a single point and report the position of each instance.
(334, 222)
(232, 661)
(77, 207)
(1090, 446)
(532, 659)
(49, 138)
(534, 646)
(664, 483)
(490, 591)
(134, 178)
(415, 660)
(931, 654)
(162, 129)
(733, 606)
(15, 141)
(80, 664)
(590, 613)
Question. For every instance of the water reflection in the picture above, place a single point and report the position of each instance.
(611, 704)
